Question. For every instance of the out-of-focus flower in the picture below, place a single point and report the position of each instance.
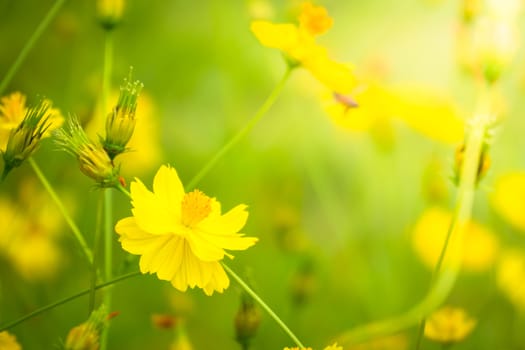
(449, 325)
(13, 110)
(8, 341)
(333, 347)
(298, 42)
(510, 276)
(181, 236)
(508, 198)
(87, 335)
(120, 123)
(92, 158)
(392, 342)
(29, 240)
(181, 341)
(109, 12)
(479, 250)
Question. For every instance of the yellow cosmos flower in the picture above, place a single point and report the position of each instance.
(510, 277)
(298, 43)
(181, 236)
(333, 347)
(449, 325)
(480, 247)
(8, 341)
(508, 198)
(12, 111)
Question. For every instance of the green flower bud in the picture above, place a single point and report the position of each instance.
(109, 12)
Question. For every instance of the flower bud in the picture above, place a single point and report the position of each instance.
(25, 138)
(247, 321)
(109, 13)
(87, 335)
(120, 123)
(93, 159)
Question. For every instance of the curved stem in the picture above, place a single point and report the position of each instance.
(74, 228)
(450, 259)
(29, 44)
(65, 300)
(241, 133)
(263, 305)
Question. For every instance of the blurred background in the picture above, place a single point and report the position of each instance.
(339, 211)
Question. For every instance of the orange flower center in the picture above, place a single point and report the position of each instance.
(195, 207)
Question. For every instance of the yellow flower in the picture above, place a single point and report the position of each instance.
(8, 341)
(12, 111)
(181, 236)
(109, 12)
(480, 247)
(333, 347)
(449, 325)
(86, 336)
(508, 198)
(510, 277)
(298, 43)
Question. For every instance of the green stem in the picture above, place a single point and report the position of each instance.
(65, 300)
(241, 133)
(76, 232)
(263, 305)
(451, 260)
(96, 244)
(29, 44)
(108, 195)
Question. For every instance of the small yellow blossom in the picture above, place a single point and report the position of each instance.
(480, 248)
(449, 325)
(8, 341)
(181, 236)
(508, 198)
(334, 346)
(298, 42)
(86, 336)
(510, 276)
(110, 12)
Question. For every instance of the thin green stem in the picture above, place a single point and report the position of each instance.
(108, 195)
(123, 189)
(263, 305)
(66, 300)
(29, 44)
(241, 133)
(96, 244)
(74, 228)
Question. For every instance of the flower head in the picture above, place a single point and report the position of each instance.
(182, 237)
(109, 12)
(86, 336)
(510, 277)
(8, 341)
(92, 158)
(508, 198)
(120, 123)
(449, 325)
(299, 45)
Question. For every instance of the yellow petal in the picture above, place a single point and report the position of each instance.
(152, 212)
(278, 36)
(334, 75)
(508, 198)
(168, 188)
(219, 280)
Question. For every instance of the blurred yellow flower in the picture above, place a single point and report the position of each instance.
(12, 111)
(333, 347)
(449, 325)
(8, 341)
(510, 276)
(480, 248)
(508, 198)
(298, 43)
(30, 245)
(393, 342)
(181, 236)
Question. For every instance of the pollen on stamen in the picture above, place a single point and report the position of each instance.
(195, 207)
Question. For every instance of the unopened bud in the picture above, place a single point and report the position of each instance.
(25, 138)
(120, 123)
(109, 12)
(92, 158)
(87, 335)
(247, 321)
